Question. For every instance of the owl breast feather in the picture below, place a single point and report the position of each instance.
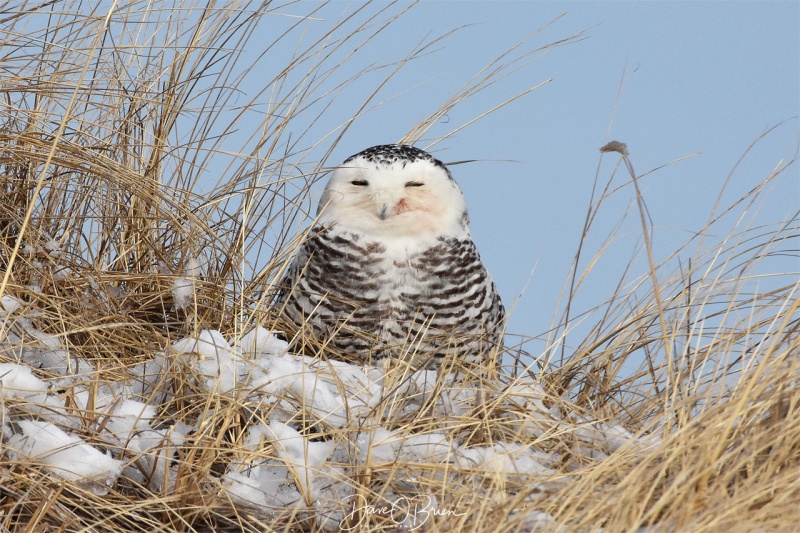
(370, 301)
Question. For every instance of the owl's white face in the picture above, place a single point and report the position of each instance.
(394, 191)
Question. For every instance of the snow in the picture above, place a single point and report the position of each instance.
(277, 464)
(260, 341)
(184, 287)
(537, 520)
(53, 248)
(23, 342)
(526, 393)
(18, 381)
(154, 450)
(39, 414)
(217, 361)
(183, 293)
(504, 458)
(295, 478)
(428, 447)
(243, 489)
(8, 304)
(122, 417)
(64, 455)
(61, 273)
(378, 446)
(303, 458)
(278, 374)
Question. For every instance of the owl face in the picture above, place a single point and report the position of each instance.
(395, 191)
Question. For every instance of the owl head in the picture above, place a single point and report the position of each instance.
(394, 190)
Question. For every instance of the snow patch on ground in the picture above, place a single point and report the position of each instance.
(280, 465)
(64, 455)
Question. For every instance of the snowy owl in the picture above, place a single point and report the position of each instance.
(390, 270)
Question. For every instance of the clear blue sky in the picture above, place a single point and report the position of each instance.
(706, 77)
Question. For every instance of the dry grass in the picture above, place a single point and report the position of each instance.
(109, 124)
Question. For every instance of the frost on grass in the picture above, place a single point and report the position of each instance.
(313, 424)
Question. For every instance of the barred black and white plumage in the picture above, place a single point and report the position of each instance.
(390, 270)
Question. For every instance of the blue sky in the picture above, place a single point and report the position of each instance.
(703, 78)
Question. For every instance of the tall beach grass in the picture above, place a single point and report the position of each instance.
(117, 179)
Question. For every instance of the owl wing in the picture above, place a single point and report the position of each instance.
(327, 283)
(455, 295)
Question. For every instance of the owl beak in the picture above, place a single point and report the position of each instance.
(392, 208)
(384, 202)
(384, 211)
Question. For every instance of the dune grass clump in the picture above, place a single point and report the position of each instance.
(144, 389)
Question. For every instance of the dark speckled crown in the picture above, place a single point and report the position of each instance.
(388, 154)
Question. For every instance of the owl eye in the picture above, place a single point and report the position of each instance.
(414, 184)
(360, 183)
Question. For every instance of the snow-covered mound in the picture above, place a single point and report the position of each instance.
(312, 425)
